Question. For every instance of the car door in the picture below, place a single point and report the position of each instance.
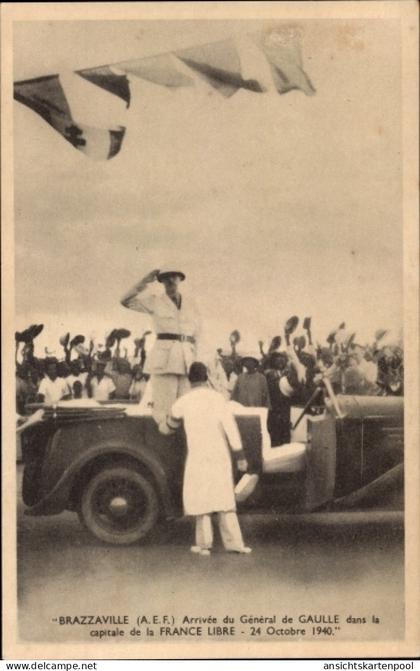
(320, 462)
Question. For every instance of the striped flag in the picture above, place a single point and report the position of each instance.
(45, 95)
(217, 63)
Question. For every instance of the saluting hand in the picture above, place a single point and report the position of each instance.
(149, 278)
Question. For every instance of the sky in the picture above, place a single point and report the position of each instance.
(272, 205)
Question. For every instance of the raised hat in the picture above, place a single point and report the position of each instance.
(35, 330)
(307, 323)
(275, 343)
(64, 339)
(25, 336)
(235, 337)
(77, 340)
(122, 333)
(379, 334)
(291, 324)
(30, 333)
(170, 270)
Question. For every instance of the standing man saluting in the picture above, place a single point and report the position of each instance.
(177, 325)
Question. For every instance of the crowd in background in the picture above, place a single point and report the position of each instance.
(375, 369)
(286, 372)
(295, 371)
(76, 369)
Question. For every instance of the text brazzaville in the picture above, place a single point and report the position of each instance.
(92, 619)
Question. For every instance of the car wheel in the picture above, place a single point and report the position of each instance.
(119, 506)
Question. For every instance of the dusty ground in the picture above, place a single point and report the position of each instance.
(341, 564)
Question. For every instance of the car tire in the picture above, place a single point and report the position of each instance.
(119, 505)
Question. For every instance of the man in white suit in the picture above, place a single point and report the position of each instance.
(177, 325)
(208, 487)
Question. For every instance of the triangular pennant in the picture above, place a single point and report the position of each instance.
(157, 69)
(219, 64)
(98, 143)
(104, 77)
(282, 51)
(44, 95)
(116, 137)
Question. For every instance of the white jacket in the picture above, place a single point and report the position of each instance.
(169, 356)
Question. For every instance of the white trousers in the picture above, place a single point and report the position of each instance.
(165, 390)
(230, 531)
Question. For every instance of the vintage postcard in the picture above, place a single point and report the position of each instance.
(210, 330)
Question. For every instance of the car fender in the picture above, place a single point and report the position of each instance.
(56, 500)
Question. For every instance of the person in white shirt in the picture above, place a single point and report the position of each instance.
(52, 388)
(208, 480)
(100, 386)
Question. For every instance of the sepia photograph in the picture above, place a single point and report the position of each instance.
(212, 301)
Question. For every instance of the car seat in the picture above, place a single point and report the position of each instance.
(287, 458)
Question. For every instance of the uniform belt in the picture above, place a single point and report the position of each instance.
(176, 336)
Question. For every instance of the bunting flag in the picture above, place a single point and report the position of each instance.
(45, 96)
(104, 77)
(282, 50)
(157, 69)
(218, 64)
(98, 144)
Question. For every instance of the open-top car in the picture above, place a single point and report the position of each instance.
(110, 464)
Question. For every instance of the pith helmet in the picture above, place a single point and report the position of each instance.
(170, 270)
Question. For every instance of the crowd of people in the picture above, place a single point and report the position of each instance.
(287, 372)
(290, 372)
(76, 371)
(370, 369)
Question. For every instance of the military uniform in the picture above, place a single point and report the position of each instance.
(177, 331)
